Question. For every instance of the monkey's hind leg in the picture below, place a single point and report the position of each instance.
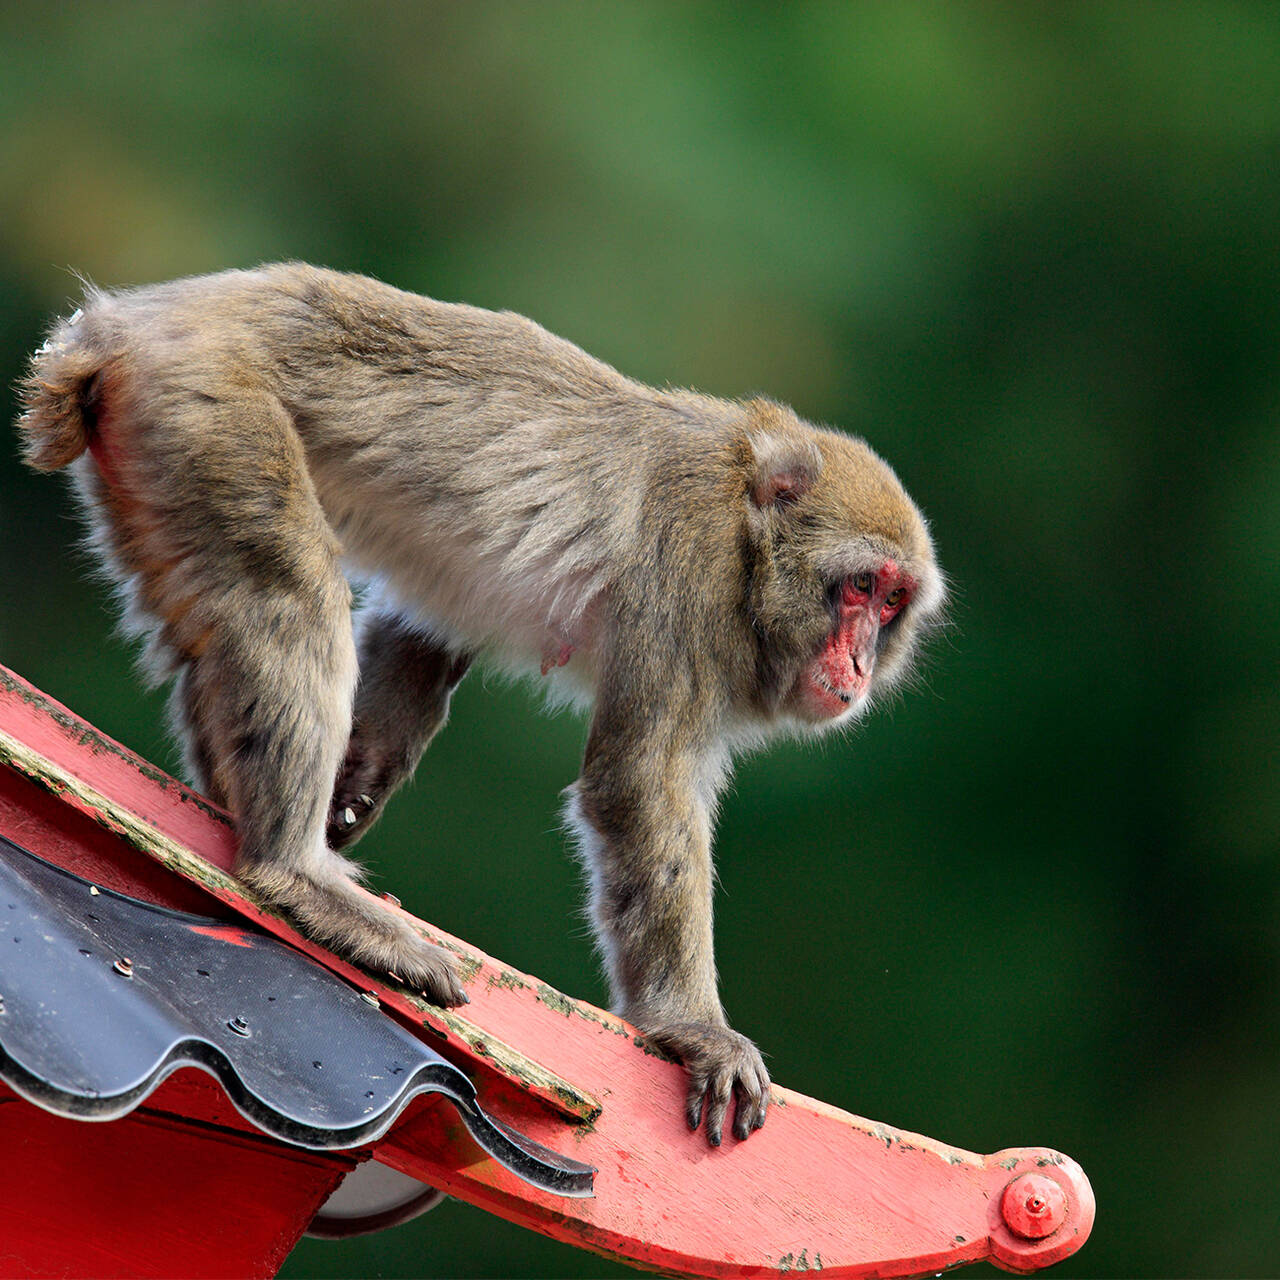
(236, 560)
(402, 702)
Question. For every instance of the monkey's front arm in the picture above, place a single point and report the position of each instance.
(645, 834)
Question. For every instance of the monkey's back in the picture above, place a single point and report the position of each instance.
(488, 474)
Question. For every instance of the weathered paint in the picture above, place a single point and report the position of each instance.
(817, 1188)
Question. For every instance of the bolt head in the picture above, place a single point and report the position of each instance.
(1034, 1206)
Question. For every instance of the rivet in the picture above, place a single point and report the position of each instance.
(239, 1026)
(369, 998)
(124, 967)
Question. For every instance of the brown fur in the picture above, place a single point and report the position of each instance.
(257, 436)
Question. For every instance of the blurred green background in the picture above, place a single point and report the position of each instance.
(1031, 251)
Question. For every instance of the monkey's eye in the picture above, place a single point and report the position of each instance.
(894, 598)
(864, 582)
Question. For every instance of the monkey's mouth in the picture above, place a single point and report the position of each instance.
(826, 700)
(827, 687)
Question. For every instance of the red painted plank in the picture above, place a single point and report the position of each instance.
(150, 1196)
(817, 1187)
(48, 728)
(59, 833)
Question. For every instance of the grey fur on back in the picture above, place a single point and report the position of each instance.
(500, 525)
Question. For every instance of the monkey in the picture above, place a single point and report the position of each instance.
(698, 573)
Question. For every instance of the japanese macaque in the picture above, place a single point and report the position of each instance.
(702, 572)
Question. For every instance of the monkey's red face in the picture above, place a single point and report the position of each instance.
(836, 682)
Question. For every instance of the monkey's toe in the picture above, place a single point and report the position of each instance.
(432, 971)
(329, 907)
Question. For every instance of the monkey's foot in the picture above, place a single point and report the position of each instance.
(337, 913)
(722, 1065)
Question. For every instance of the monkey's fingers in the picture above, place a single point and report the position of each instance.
(369, 776)
(351, 814)
(752, 1094)
(719, 1092)
(723, 1067)
(694, 1100)
(749, 1092)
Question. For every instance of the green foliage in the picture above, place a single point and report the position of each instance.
(1031, 252)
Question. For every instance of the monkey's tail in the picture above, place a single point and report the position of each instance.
(57, 397)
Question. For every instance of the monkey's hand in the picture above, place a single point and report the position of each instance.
(722, 1065)
(364, 786)
(376, 764)
(406, 683)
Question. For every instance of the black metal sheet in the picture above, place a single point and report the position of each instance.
(103, 996)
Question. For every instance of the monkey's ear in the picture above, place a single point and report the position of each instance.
(785, 469)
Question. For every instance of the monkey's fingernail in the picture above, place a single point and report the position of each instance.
(365, 800)
(348, 817)
(466, 999)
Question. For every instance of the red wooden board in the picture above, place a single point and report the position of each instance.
(152, 1195)
(816, 1188)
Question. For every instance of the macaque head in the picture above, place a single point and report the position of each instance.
(844, 579)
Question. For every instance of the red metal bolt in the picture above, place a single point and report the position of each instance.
(1034, 1206)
